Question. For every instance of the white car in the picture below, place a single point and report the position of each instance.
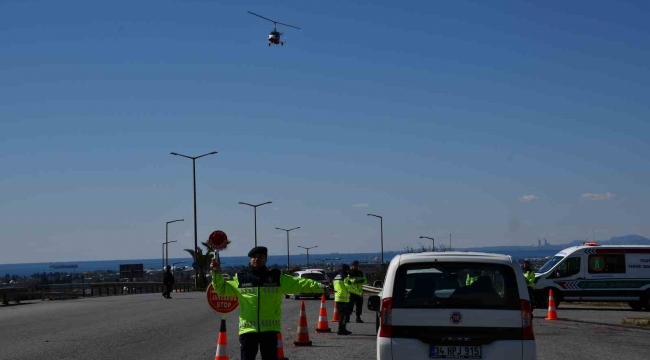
(313, 275)
(454, 305)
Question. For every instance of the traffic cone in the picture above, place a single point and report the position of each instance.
(281, 348)
(336, 317)
(302, 335)
(552, 313)
(222, 343)
(323, 326)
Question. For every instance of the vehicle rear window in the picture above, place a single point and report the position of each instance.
(314, 276)
(456, 285)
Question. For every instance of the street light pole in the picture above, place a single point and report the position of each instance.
(381, 224)
(255, 211)
(430, 238)
(166, 249)
(288, 260)
(167, 238)
(196, 247)
(307, 248)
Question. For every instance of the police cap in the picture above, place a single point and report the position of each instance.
(258, 250)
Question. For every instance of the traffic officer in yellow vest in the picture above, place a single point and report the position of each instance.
(260, 292)
(529, 274)
(356, 292)
(342, 287)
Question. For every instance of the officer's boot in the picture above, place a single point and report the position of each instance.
(342, 326)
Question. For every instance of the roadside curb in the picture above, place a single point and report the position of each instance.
(641, 322)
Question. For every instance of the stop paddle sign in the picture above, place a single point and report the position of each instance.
(221, 304)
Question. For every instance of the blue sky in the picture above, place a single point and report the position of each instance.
(498, 122)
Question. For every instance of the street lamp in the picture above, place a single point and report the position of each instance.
(166, 246)
(381, 224)
(167, 238)
(430, 238)
(163, 248)
(255, 207)
(307, 248)
(288, 261)
(196, 247)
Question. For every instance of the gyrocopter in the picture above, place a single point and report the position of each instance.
(274, 36)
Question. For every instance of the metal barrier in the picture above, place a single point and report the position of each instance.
(371, 289)
(73, 291)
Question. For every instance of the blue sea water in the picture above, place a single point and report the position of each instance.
(280, 260)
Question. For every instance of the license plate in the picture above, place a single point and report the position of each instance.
(455, 352)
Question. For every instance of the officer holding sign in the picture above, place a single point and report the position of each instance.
(260, 292)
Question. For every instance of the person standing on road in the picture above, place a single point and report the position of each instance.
(529, 274)
(260, 292)
(358, 279)
(342, 286)
(168, 280)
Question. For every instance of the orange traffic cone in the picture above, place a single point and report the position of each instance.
(336, 317)
(281, 348)
(222, 343)
(302, 335)
(323, 326)
(552, 313)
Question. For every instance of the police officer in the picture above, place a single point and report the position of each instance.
(472, 276)
(168, 280)
(358, 279)
(342, 286)
(529, 274)
(260, 292)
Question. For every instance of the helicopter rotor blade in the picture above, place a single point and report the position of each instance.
(265, 18)
(295, 27)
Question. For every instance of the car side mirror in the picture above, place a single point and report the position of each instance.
(374, 303)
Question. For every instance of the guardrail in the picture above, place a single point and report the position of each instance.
(72, 291)
(371, 289)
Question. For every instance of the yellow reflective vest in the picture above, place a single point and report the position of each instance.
(342, 287)
(260, 295)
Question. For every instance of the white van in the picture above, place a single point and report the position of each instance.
(593, 272)
(453, 305)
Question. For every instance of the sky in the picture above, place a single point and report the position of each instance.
(498, 122)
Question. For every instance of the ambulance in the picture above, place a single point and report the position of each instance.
(592, 272)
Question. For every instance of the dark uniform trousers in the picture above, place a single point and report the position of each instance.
(356, 301)
(266, 341)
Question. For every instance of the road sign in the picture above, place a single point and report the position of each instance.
(221, 304)
(218, 240)
(195, 265)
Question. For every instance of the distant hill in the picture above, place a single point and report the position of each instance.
(550, 250)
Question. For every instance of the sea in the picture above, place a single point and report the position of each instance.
(315, 260)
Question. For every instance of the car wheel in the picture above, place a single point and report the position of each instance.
(286, 296)
(296, 297)
(376, 321)
(636, 305)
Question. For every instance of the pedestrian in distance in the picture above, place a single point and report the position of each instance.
(342, 286)
(260, 292)
(168, 281)
(356, 292)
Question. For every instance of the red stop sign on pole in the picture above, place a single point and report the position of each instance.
(221, 304)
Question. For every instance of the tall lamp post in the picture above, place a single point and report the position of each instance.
(288, 260)
(165, 246)
(167, 238)
(381, 224)
(196, 247)
(255, 207)
(430, 238)
(307, 248)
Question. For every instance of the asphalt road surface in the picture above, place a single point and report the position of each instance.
(151, 327)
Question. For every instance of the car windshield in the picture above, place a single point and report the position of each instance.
(314, 276)
(456, 285)
(549, 264)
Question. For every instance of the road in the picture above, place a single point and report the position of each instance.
(150, 327)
